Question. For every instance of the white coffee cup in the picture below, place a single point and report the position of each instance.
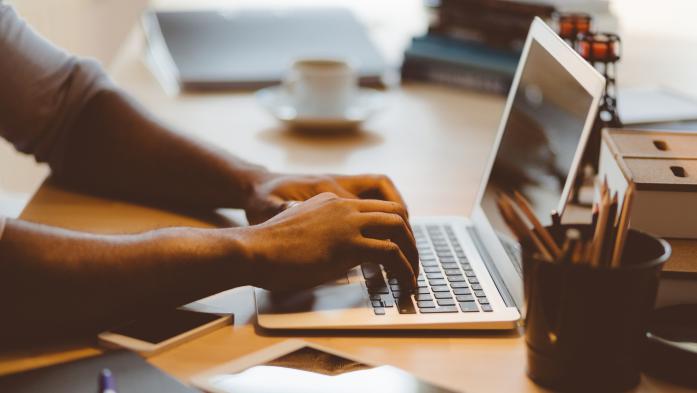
(320, 87)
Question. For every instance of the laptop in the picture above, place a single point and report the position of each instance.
(253, 48)
(471, 275)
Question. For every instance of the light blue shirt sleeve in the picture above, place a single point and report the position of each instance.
(43, 89)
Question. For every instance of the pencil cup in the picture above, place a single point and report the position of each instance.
(585, 325)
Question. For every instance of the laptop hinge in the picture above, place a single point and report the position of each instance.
(491, 267)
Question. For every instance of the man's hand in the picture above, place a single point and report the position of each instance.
(320, 239)
(272, 194)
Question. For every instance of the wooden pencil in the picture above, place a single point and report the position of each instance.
(594, 217)
(610, 232)
(600, 230)
(520, 228)
(572, 237)
(622, 227)
(544, 234)
(577, 255)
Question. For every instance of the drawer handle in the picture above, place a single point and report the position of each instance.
(660, 145)
(678, 171)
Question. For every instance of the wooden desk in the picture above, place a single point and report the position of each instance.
(432, 141)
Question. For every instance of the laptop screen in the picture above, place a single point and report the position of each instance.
(540, 138)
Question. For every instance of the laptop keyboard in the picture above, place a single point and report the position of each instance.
(446, 282)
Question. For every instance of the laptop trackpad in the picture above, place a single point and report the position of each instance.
(323, 298)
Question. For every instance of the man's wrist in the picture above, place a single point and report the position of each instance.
(249, 253)
(221, 254)
(246, 182)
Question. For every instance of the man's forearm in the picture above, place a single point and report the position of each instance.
(118, 149)
(69, 283)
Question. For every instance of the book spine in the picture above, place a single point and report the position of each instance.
(463, 54)
(445, 74)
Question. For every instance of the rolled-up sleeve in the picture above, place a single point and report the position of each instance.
(43, 90)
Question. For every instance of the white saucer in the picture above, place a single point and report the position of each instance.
(278, 103)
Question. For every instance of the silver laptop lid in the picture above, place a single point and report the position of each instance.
(543, 131)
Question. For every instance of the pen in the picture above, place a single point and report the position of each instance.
(107, 384)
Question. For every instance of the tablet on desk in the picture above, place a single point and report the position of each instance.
(296, 366)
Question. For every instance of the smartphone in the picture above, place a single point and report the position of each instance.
(162, 330)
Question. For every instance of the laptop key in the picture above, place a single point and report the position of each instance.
(443, 295)
(423, 296)
(479, 293)
(423, 290)
(445, 302)
(444, 309)
(381, 290)
(375, 296)
(379, 311)
(453, 272)
(458, 284)
(449, 265)
(387, 301)
(448, 309)
(430, 263)
(469, 307)
(405, 305)
(437, 281)
(376, 303)
(440, 288)
(434, 275)
(370, 270)
(425, 304)
(462, 291)
(470, 273)
(456, 279)
(477, 287)
(432, 269)
(487, 308)
(473, 280)
(464, 298)
(483, 300)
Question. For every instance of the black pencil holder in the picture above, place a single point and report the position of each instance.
(585, 325)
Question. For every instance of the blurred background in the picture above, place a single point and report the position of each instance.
(658, 38)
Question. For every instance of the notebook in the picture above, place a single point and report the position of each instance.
(132, 374)
(252, 48)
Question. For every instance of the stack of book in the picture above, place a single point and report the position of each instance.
(473, 44)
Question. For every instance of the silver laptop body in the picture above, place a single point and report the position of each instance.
(471, 276)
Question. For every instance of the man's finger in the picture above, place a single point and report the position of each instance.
(384, 226)
(339, 191)
(372, 187)
(378, 206)
(391, 257)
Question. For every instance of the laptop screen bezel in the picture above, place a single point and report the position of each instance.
(594, 83)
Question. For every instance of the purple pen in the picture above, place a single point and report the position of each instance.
(107, 384)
